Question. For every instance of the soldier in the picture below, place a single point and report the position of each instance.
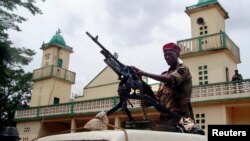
(238, 85)
(237, 76)
(175, 87)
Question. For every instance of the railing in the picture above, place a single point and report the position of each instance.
(216, 91)
(67, 108)
(221, 91)
(53, 71)
(207, 43)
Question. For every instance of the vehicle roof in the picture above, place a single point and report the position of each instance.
(119, 135)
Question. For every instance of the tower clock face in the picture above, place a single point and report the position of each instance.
(200, 21)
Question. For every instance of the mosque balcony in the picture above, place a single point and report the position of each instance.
(207, 44)
(53, 71)
(219, 92)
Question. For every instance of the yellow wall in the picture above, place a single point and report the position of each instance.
(100, 92)
(48, 89)
(105, 84)
(47, 59)
(28, 129)
(213, 20)
(215, 114)
(65, 56)
(106, 76)
(55, 53)
(216, 63)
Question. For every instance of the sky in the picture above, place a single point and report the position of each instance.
(135, 29)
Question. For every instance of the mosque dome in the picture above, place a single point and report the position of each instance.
(57, 39)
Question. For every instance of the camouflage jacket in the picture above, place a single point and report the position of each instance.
(175, 95)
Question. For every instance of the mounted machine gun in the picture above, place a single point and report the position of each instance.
(131, 86)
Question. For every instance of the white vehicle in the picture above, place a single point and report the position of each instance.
(100, 123)
(127, 135)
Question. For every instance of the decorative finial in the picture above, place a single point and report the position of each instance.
(58, 31)
(116, 55)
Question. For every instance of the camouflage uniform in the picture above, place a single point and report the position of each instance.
(175, 95)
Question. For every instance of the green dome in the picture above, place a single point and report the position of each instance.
(204, 1)
(57, 39)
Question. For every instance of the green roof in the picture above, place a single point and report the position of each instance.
(204, 1)
(57, 40)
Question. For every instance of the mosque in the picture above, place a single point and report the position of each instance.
(210, 54)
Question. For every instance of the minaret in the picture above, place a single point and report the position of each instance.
(211, 55)
(207, 17)
(52, 82)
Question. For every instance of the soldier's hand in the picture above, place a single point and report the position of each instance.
(138, 71)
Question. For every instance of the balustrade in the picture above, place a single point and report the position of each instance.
(216, 91)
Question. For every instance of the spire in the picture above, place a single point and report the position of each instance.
(58, 31)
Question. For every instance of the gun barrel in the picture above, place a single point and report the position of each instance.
(105, 52)
(96, 41)
(89, 34)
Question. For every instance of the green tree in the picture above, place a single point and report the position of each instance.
(15, 83)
